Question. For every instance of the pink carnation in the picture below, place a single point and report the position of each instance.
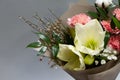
(81, 18)
(116, 12)
(114, 42)
(106, 25)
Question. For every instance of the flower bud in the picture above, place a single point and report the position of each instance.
(103, 3)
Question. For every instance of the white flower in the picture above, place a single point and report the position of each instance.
(96, 62)
(89, 38)
(103, 62)
(69, 54)
(104, 3)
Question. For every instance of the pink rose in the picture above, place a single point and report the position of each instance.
(116, 12)
(114, 42)
(106, 25)
(81, 18)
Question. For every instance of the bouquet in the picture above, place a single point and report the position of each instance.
(85, 41)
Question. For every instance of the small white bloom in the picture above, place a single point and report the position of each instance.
(105, 55)
(115, 52)
(109, 58)
(104, 3)
(96, 62)
(103, 62)
(113, 57)
(107, 51)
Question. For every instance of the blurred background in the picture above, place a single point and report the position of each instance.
(17, 62)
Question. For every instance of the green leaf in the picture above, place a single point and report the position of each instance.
(111, 6)
(102, 12)
(119, 2)
(107, 36)
(43, 37)
(56, 37)
(34, 45)
(93, 14)
(42, 50)
(116, 22)
(112, 24)
(55, 50)
(69, 39)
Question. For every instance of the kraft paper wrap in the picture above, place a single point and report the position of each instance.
(108, 71)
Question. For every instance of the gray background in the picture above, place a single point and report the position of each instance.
(17, 62)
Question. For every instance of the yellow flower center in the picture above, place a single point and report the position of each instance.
(91, 43)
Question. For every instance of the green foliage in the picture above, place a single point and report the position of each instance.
(42, 50)
(34, 45)
(106, 39)
(112, 24)
(110, 7)
(93, 14)
(43, 37)
(55, 50)
(102, 13)
(56, 37)
(119, 2)
(116, 22)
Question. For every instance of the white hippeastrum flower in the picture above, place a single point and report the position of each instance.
(89, 38)
(69, 54)
(104, 3)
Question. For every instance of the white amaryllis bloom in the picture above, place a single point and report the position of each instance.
(106, 3)
(73, 57)
(89, 38)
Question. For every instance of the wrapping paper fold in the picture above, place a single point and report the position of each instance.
(108, 71)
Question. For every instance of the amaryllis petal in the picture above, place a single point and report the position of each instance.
(89, 38)
(69, 54)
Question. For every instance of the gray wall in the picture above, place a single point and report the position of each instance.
(17, 62)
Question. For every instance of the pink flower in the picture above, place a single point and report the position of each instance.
(114, 42)
(106, 25)
(116, 12)
(81, 18)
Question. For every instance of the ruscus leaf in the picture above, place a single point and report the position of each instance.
(93, 14)
(106, 39)
(102, 12)
(56, 37)
(116, 22)
(34, 45)
(42, 50)
(55, 50)
(43, 37)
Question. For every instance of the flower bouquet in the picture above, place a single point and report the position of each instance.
(85, 41)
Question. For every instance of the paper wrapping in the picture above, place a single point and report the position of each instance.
(108, 71)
